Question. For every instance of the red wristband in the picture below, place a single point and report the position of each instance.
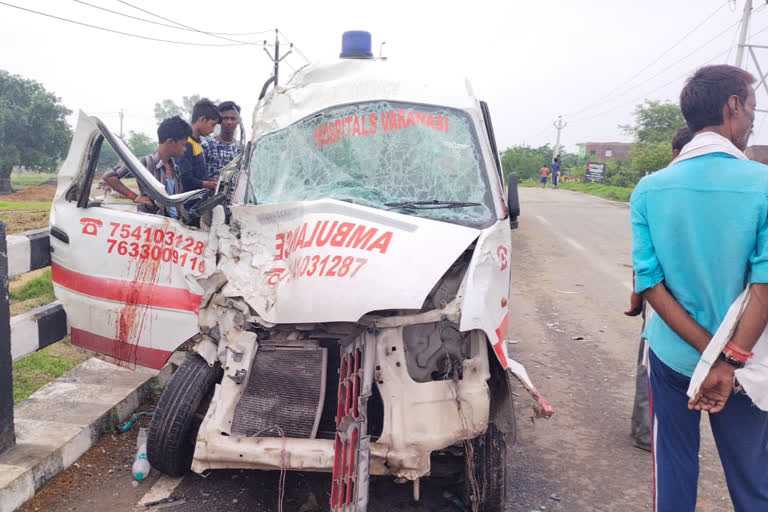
(736, 353)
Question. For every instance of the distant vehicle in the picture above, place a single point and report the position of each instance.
(346, 314)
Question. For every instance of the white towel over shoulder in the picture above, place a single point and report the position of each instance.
(754, 376)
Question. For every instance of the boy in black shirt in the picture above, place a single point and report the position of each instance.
(194, 171)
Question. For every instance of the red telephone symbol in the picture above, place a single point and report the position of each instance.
(90, 226)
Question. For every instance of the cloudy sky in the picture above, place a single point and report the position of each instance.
(591, 61)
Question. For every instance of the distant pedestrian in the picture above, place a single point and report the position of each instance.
(699, 237)
(543, 173)
(640, 429)
(555, 171)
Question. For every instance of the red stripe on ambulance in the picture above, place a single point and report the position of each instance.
(147, 294)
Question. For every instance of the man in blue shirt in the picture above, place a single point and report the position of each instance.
(699, 237)
(555, 170)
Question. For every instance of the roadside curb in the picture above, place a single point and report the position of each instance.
(62, 420)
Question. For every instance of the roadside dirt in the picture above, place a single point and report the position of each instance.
(25, 218)
(42, 192)
(100, 480)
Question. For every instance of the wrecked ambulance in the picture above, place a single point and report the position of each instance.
(345, 313)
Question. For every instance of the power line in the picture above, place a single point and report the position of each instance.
(608, 111)
(664, 70)
(166, 24)
(295, 48)
(116, 31)
(664, 54)
(188, 27)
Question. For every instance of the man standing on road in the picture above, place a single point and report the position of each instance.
(699, 237)
(172, 136)
(221, 149)
(640, 429)
(194, 171)
(555, 171)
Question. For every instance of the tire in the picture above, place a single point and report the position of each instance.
(178, 415)
(485, 465)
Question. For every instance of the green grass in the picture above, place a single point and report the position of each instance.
(25, 205)
(40, 287)
(598, 189)
(34, 371)
(20, 180)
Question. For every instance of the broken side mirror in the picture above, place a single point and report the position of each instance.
(513, 201)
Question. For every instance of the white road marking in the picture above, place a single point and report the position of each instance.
(162, 489)
(574, 244)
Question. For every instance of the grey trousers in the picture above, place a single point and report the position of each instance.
(640, 412)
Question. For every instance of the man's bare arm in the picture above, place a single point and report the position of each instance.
(717, 385)
(117, 186)
(754, 319)
(676, 317)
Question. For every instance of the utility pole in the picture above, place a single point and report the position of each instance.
(559, 124)
(276, 59)
(121, 123)
(743, 33)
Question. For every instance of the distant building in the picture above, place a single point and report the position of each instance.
(602, 151)
(758, 153)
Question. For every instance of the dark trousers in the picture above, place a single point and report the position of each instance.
(741, 434)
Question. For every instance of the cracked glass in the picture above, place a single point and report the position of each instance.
(373, 154)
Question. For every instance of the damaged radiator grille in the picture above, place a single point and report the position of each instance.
(286, 388)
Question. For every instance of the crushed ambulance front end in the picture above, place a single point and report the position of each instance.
(363, 280)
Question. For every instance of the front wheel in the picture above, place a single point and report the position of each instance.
(178, 415)
(485, 478)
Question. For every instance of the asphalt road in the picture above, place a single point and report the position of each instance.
(571, 279)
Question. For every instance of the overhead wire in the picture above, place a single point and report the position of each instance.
(671, 81)
(644, 95)
(295, 48)
(667, 68)
(120, 32)
(211, 34)
(168, 25)
(663, 54)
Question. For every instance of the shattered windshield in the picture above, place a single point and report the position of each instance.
(379, 154)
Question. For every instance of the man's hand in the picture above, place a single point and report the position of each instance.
(142, 199)
(715, 389)
(211, 184)
(635, 305)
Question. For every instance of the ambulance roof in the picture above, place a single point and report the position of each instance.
(320, 86)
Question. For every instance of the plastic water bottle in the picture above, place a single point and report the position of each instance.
(141, 465)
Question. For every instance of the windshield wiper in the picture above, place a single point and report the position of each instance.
(434, 204)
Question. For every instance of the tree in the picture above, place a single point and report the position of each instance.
(141, 144)
(525, 160)
(655, 122)
(655, 125)
(169, 108)
(33, 127)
